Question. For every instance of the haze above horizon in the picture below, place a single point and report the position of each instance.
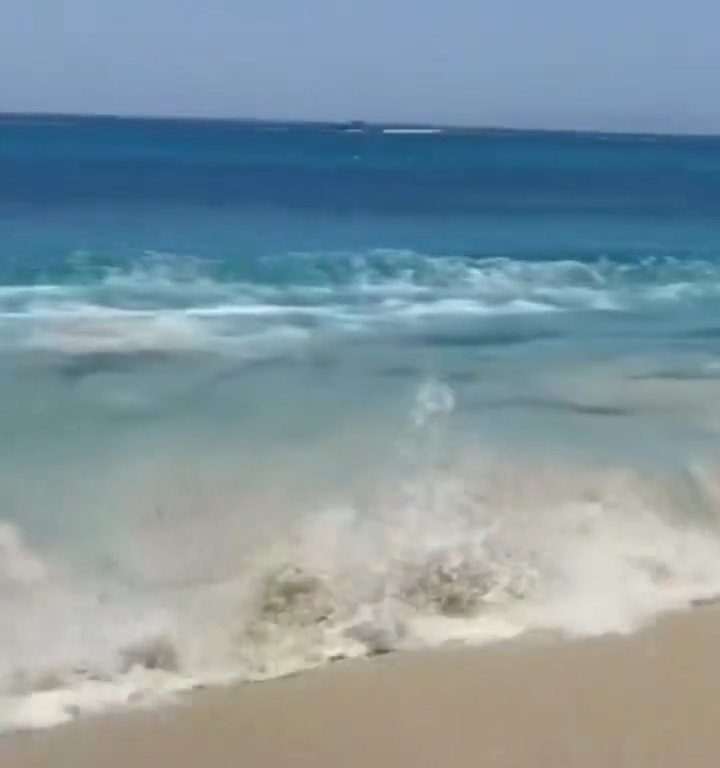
(646, 66)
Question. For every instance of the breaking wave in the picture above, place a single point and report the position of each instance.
(174, 304)
(478, 550)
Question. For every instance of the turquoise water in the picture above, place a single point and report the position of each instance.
(272, 395)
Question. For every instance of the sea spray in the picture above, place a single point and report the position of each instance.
(478, 549)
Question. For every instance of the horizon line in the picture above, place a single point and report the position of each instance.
(454, 127)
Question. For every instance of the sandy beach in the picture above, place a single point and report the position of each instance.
(650, 700)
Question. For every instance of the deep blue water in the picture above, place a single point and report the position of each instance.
(231, 193)
(268, 390)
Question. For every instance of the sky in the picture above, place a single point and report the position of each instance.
(647, 65)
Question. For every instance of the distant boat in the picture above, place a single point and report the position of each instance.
(412, 130)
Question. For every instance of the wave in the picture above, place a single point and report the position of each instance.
(175, 304)
(480, 550)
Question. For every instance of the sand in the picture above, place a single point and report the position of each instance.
(651, 699)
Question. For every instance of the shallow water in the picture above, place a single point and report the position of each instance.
(272, 398)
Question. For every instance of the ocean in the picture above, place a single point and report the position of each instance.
(274, 395)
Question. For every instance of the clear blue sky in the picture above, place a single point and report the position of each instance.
(616, 64)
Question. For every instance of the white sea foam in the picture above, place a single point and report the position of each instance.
(479, 550)
(18, 564)
(170, 306)
(87, 329)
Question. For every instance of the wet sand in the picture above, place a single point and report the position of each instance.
(650, 700)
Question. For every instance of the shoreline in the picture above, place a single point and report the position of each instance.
(643, 700)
